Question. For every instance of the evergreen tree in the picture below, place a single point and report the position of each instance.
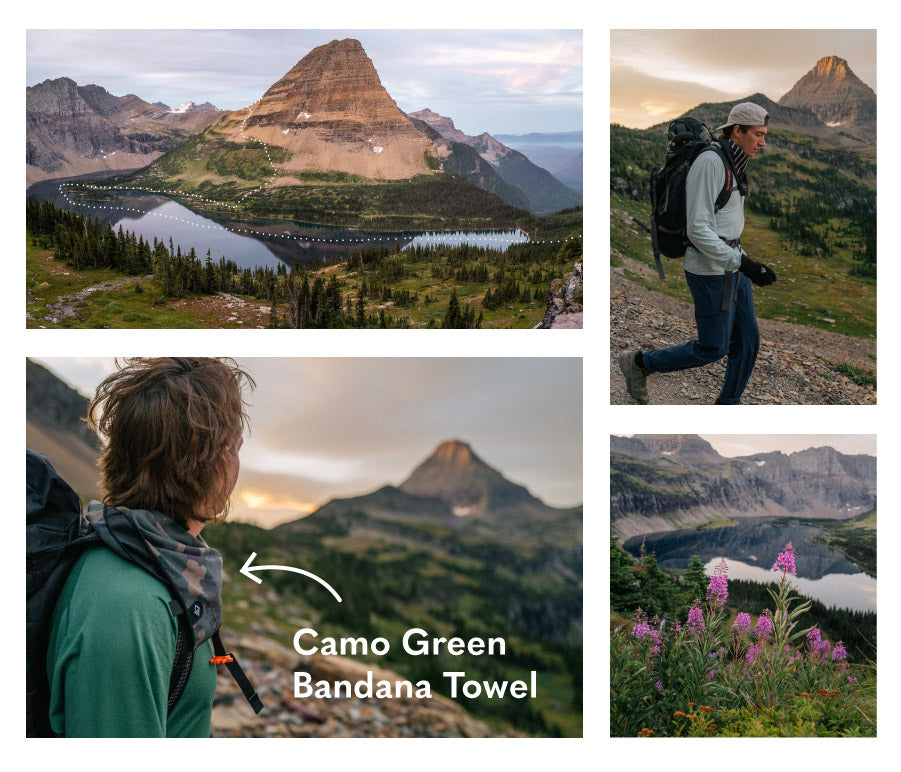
(452, 318)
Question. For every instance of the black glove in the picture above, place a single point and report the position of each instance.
(758, 273)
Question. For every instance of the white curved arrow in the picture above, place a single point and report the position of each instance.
(247, 570)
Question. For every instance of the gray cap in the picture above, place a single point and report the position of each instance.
(746, 114)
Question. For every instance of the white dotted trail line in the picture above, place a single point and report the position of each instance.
(437, 238)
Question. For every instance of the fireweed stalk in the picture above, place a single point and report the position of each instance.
(661, 669)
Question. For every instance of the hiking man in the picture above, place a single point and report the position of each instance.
(718, 271)
(173, 429)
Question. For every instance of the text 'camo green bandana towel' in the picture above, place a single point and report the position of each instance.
(186, 565)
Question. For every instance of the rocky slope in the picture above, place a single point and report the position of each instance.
(835, 95)
(797, 365)
(54, 427)
(661, 483)
(271, 667)
(544, 193)
(72, 130)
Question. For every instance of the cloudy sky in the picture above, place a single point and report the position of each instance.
(500, 81)
(656, 75)
(323, 427)
(747, 444)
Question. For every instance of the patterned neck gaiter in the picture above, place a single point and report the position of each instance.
(739, 159)
(186, 565)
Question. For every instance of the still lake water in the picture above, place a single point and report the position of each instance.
(249, 243)
(750, 549)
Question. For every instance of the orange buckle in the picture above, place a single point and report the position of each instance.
(221, 660)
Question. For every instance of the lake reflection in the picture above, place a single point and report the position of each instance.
(853, 591)
(750, 549)
(249, 243)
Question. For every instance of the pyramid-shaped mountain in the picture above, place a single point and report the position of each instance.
(331, 111)
(834, 94)
(452, 489)
(456, 475)
(326, 143)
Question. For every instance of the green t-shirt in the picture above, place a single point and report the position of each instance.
(110, 657)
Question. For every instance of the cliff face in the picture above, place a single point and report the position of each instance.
(72, 129)
(666, 483)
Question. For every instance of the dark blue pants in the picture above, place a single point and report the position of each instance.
(720, 333)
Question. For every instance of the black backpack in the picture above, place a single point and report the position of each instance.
(687, 138)
(56, 535)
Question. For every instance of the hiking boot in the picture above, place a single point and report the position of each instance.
(636, 378)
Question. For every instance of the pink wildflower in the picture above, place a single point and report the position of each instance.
(764, 625)
(839, 653)
(742, 623)
(695, 621)
(785, 562)
(718, 589)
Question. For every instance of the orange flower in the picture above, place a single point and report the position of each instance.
(646, 732)
(679, 714)
(807, 694)
(705, 708)
(691, 704)
(692, 717)
(711, 728)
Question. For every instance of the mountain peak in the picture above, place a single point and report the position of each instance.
(831, 66)
(456, 475)
(834, 93)
(331, 111)
(454, 453)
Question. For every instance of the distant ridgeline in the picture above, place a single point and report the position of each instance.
(673, 482)
(815, 182)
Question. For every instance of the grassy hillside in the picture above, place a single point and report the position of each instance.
(240, 175)
(810, 215)
(449, 584)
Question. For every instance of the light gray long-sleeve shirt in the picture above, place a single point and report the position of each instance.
(708, 254)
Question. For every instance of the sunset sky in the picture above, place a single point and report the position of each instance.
(323, 427)
(500, 81)
(656, 75)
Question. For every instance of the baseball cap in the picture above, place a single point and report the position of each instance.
(746, 114)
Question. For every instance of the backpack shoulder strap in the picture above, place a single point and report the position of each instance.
(731, 181)
(224, 658)
(183, 661)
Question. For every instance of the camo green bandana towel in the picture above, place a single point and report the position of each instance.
(190, 568)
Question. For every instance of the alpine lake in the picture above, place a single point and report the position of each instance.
(248, 242)
(750, 549)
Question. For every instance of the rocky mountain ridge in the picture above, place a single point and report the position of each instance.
(661, 483)
(543, 191)
(73, 130)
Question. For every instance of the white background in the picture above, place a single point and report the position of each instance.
(596, 750)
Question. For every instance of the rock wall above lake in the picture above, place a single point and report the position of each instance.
(668, 482)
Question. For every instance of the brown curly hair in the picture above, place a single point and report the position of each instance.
(168, 423)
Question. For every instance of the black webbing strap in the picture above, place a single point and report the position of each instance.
(182, 663)
(231, 662)
(727, 290)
